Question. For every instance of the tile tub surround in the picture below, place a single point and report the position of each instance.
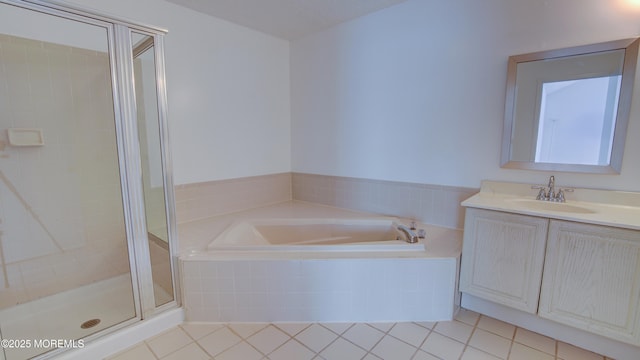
(202, 200)
(351, 289)
(431, 204)
(469, 337)
(312, 286)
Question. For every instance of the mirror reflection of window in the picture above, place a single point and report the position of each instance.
(577, 119)
(568, 109)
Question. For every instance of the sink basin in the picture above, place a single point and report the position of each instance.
(540, 205)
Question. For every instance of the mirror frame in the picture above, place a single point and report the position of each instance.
(630, 47)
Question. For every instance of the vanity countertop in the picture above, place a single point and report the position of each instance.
(600, 207)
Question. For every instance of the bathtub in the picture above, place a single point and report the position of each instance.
(318, 269)
(318, 234)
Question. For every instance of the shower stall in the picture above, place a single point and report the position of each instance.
(86, 196)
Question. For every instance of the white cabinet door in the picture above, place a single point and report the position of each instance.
(592, 279)
(502, 257)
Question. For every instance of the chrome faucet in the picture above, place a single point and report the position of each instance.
(410, 235)
(549, 193)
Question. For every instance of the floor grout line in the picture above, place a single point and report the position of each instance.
(466, 344)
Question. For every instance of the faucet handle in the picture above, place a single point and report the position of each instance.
(560, 195)
(542, 195)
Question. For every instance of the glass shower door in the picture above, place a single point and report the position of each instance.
(64, 258)
(151, 157)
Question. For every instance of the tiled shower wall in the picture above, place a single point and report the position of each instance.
(431, 204)
(71, 183)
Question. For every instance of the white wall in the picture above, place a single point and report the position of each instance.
(416, 92)
(228, 91)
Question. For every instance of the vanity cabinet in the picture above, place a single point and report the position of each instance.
(591, 279)
(585, 276)
(502, 257)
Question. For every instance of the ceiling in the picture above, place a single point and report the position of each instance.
(287, 19)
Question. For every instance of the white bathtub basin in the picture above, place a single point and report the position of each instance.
(314, 235)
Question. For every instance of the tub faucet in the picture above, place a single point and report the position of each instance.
(411, 237)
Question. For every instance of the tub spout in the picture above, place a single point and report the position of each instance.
(410, 236)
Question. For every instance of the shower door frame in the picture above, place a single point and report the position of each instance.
(128, 148)
(124, 52)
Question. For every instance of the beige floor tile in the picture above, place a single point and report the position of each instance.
(191, 352)
(197, 331)
(471, 353)
(490, 343)
(169, 342)
(497, 327)
(292, 350)
(570, 352)
(426, 324)
(247, 329)
(392, 348)
(421, 355)
(316, 337)
(454, 329)
(268, 339)
(219, 341)
(384, 327)
(239, 351)
(410, 333)
(467, 316)
(292, 328)
(536, 341)
(491, 339)
(342, 349)
(363, 335)
(442, 346)
(522, 352)
(369, 356)
(138, 352)
(338, 328)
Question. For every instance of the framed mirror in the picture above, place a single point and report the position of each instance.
(568, 109)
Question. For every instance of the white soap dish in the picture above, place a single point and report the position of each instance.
(25, 137)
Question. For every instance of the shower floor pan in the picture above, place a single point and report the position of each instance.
(61, 316)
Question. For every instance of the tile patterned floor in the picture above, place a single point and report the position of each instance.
(469, 337)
